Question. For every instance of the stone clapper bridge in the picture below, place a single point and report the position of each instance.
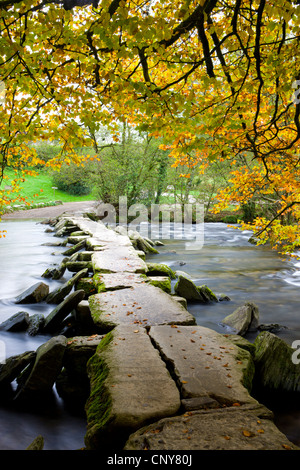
(159, 381)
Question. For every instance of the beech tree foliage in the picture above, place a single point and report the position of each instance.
(216, 79)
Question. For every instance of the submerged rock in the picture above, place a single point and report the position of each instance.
(187, 289)
(14, 365)
(36, 444)
(61, 292)
(17, 322)
(36, 323)
(34, 294)
(54, 319)
(48, 363)
(156, 269)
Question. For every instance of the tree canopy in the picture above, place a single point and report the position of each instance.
(216, 79)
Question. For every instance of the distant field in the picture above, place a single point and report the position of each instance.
(36, 189)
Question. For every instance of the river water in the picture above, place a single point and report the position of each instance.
(226, 263)
(23, 259)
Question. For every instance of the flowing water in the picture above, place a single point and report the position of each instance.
(226, 263)
(23, 259)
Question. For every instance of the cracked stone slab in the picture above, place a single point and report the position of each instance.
(130, 385)
(205, 363)
(141, 305)
(118, 259)
(249, 427)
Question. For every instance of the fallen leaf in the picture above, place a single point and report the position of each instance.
(261, 431)
(285, 446)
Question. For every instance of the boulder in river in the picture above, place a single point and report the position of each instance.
(54, 319)
(17, 322)
(48, 363)
(61, 292)
(36, 293)
(36, 324)
(187, 289)
(244, 318)
(157, 269)
(36, 444)
(14, 365)
(56, 272)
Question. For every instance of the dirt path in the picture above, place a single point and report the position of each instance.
(52, 211)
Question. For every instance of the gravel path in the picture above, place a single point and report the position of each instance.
(52, 211)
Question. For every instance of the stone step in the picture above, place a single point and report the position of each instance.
(249, 427)
(130, 386)
(115, 281)
(99, 233)
(118, 259)
(143, 304)
(205, 363)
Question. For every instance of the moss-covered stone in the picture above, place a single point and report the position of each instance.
(87, 284)
(275, 369)
(246, 364)
(156, 269)
(163, 282)
(242, 342)
(98, 406)
(207, 293)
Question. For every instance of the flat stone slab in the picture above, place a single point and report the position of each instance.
(114, 281)
(99, 233)
(205, 363)
(248, 427)
(118, 259)
(140, 305)
(130, 385)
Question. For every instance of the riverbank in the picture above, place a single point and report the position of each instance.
(52, 211)
(80, 207)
